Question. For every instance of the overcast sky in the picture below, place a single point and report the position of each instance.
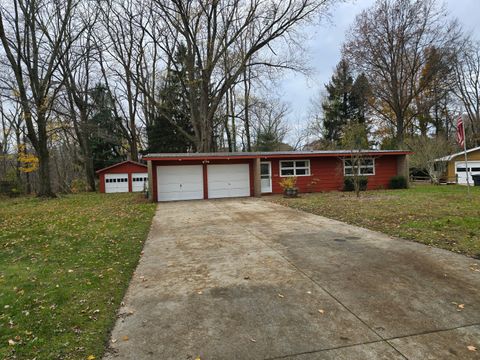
(325, 44)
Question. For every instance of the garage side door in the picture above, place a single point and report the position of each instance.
(116, 183)
(182, 182)
(139, 181)
(228, 181)
(461, 171)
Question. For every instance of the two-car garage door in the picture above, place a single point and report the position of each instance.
(186, 182)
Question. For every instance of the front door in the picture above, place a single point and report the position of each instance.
(266, 176)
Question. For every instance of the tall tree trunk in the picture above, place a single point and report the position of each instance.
(232, 113)
(44, 178)
(28, 189)
(134, 142)
(400, 128)
(226, 123)
(87, 157)
(246, 87)
(89, 171)
(18, 174)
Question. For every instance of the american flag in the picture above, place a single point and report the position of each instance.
(460, 132)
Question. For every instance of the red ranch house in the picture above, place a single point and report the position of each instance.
(126, 176)
(191, 176)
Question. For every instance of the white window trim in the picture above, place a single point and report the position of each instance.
(294, 168)
(367, 158)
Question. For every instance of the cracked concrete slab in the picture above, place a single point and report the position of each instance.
(248, 279)
(450, 344)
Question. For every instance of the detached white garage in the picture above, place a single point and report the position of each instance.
(126, 176)
(115, 183)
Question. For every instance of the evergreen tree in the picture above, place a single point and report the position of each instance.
(359, 99)
(346, 103)
(267, 141)
(105, 138)
(162, 134)
(336, 107)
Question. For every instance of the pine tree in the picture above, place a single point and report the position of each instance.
(336, 107)
(162, 134)
(346, 103)
(105, 137)
(359, 99)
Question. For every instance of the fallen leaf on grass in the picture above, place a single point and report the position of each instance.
(90, 357)
(125, 338)
(11, 342)
(461, 307)
(253, 340)
(281, 296)
(321, 311)
(199, 292)
(471, 348)
(114, 341)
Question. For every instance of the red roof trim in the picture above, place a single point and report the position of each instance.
(119, 164)
(279, 156)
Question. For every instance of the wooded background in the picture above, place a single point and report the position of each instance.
(85, 84)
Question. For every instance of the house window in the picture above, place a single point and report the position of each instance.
(366, 166)
(295, 168)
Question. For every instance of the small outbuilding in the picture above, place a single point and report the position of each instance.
(188, 176)
(456, 170)
(126, 176)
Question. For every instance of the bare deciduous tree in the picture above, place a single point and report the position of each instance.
(213, 30)
(34, 38)
(78, 69)
(388, 42)
(425, 151)
(467, 88)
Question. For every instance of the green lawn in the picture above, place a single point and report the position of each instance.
(440, 216)
(64, 267)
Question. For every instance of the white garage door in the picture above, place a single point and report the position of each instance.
(461, 171)
(228, 181)
(182, 182)
(139, 181)
(115, 183)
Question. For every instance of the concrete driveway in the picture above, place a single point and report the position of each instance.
(248, 279)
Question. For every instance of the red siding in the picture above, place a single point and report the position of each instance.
(327, 174)
(385, 169)
(205, 173)
(101, 183)
(127, 168)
